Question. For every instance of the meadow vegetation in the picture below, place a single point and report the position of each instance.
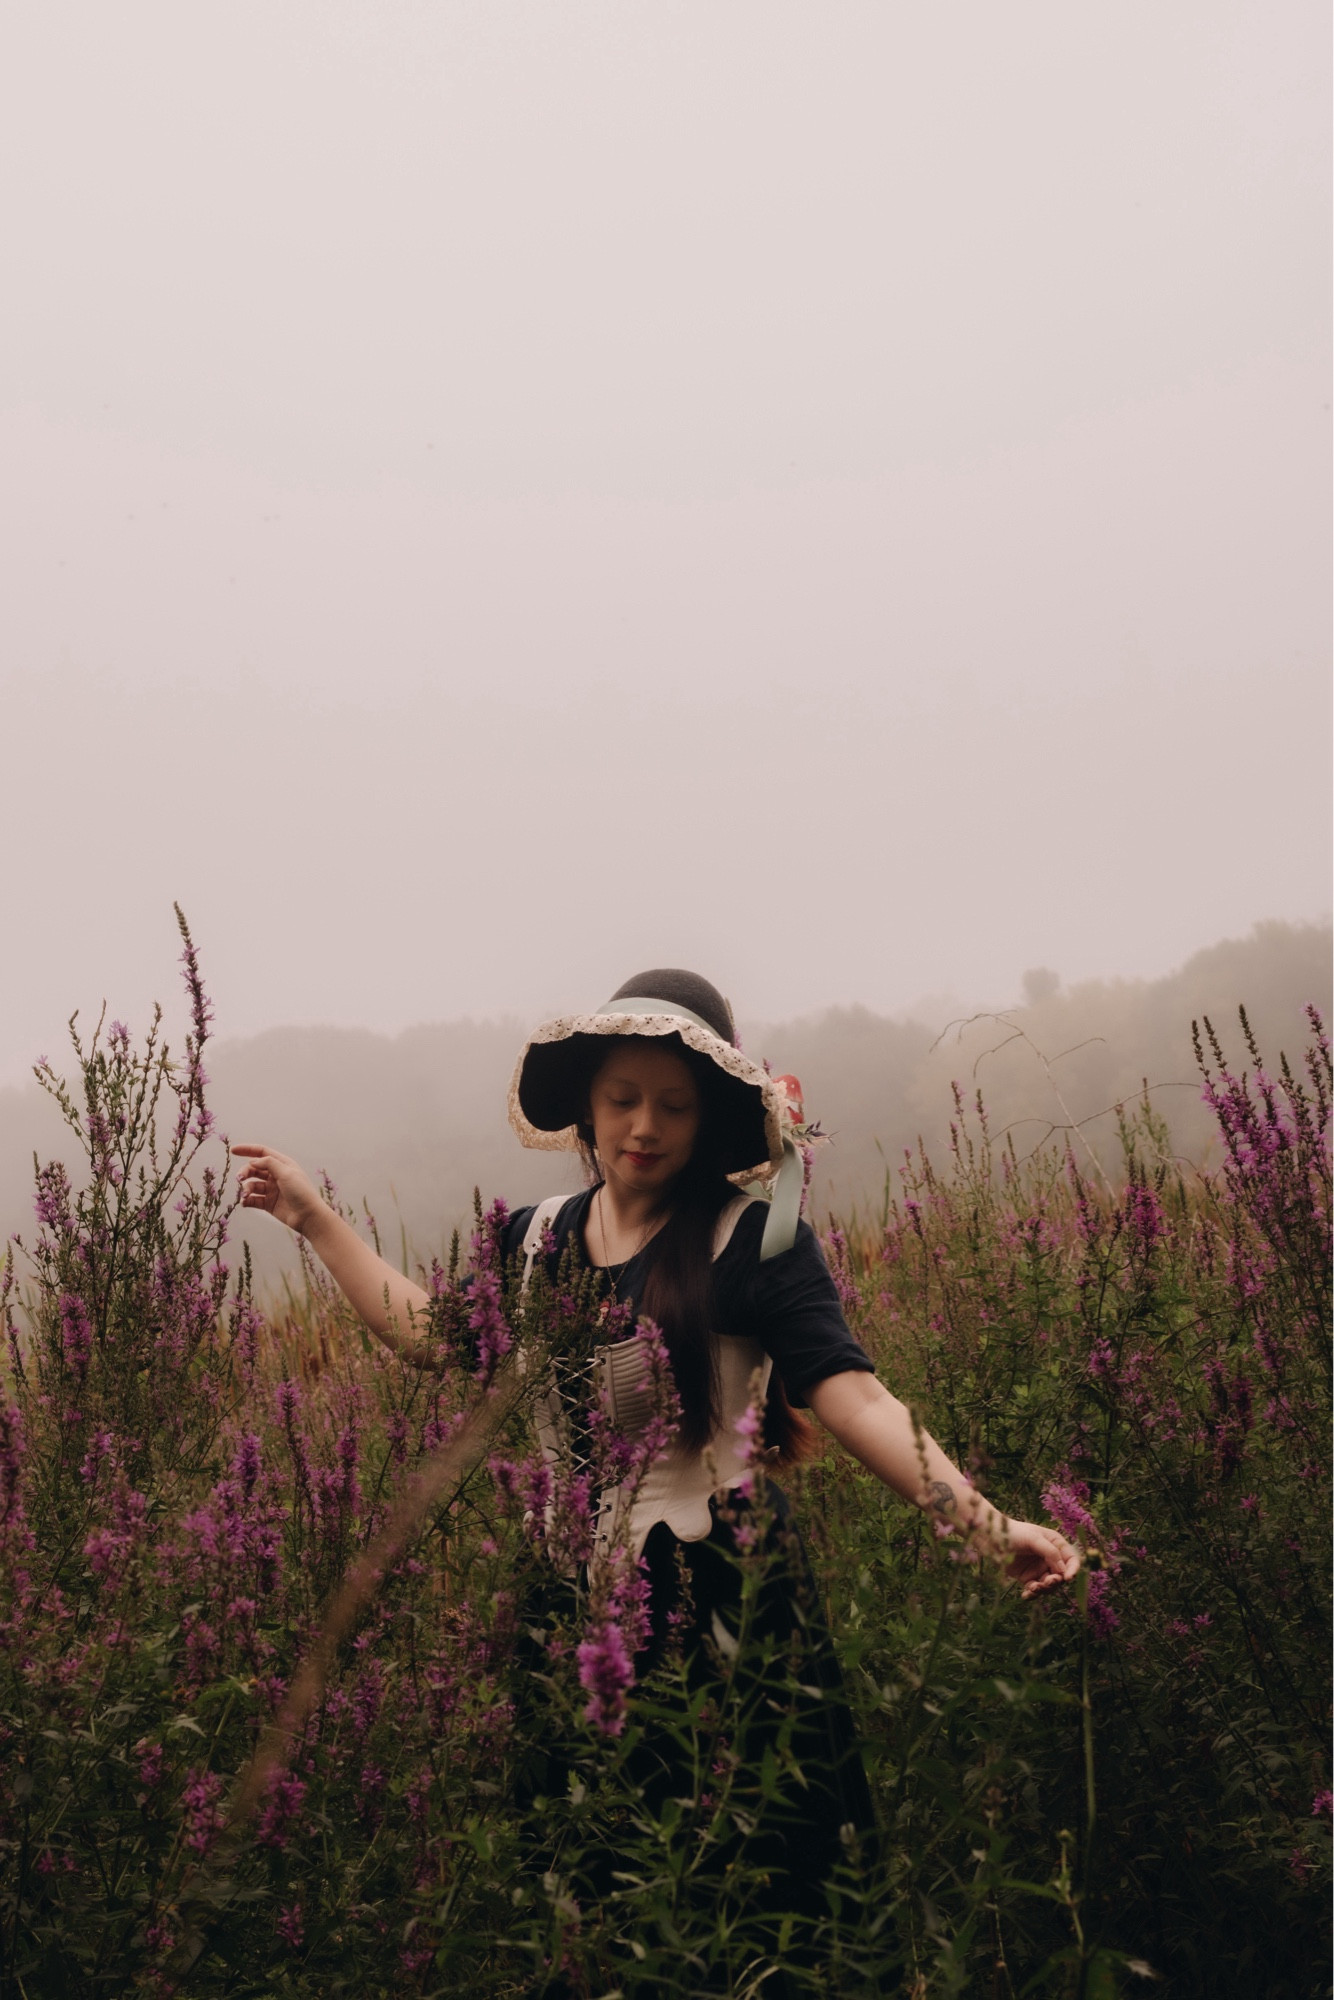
(1123, 1790)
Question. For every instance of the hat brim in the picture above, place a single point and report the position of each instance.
(548, 1079)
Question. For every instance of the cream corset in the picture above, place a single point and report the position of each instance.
(677, 1486)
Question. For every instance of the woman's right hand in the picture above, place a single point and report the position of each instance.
(277, 1185)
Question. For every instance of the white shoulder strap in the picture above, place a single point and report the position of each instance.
(543, 1216)
(728, 1220)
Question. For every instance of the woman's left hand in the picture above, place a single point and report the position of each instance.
(1038, 1558)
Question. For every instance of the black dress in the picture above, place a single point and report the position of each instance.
(790, 1305)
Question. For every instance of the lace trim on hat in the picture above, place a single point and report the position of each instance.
(700, 1039)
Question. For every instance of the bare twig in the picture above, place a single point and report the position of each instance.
(1018, 1034)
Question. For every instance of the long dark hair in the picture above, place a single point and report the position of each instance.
(678, 1288)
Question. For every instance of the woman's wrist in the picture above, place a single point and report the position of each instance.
(958, 1504)
(318, 1223)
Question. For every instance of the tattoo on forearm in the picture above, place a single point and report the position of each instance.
(940, 1497)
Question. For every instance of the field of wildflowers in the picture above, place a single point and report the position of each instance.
(303, 1689)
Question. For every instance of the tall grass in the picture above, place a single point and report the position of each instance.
(1082, 1797)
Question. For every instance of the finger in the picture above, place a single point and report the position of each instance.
(252, 1152)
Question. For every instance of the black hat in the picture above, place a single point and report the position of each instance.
(547, 1092)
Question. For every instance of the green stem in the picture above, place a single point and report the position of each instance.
(1090, 1786)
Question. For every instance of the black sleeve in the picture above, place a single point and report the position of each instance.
(512, 1235)
(791, 1306)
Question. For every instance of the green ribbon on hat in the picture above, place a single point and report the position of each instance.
(780, 1224)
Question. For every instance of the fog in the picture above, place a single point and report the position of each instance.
(408, 1125)
(496, 494)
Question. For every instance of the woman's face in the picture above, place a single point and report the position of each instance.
(645, 1110)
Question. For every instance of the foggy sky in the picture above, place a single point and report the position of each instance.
(496, 496)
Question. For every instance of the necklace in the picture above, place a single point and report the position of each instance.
(649, 1229)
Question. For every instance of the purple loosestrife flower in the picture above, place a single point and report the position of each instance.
(750, 1430)
(439, 1428)
(347, 1452)
(486, 1322)
(159, 1938)
(201, 1005)
(417, 1795)
(606, 1673)
(629, 1601)
(202, 1648)
(53, 1199)
(1103, 1620)
(1102, 1359)
(1066, 1501)
(528, 1487)
(396, 1435)
(1067, 1504)
(100, 1141)
(191, 1091)
(151, 1759)
(246, 1325)
(291, 1925)
(840, 1265)
(491, 1335)
(367, 1696)
(109, 1548)
(278, 1819)
(11, 1462)
(618, 1627)
(287, 1400)
(101, 1451)
(204, 1817)
(569, 1521)
(246, 1463)
(7, 1319)
(76, 1334)
(1143, 1216)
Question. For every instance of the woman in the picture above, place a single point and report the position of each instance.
(670, 1116)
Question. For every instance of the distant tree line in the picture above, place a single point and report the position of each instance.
(410, 1124)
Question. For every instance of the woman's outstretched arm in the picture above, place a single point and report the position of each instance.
(388, 1302)
(878, 1429)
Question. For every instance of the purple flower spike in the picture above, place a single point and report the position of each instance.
(76, 1334)
(606, 1673)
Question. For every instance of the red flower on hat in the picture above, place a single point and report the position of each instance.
(791, 1089)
